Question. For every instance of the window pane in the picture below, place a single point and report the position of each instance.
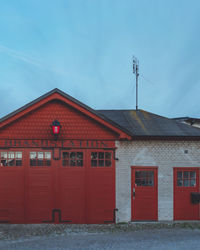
(40, 162)
(108, 155)
(150, 182)
(40, 155)
(94, 163)
(72, 155)
(11, 162)
(65, 162)
(72, 163)
(11, 155)
(138, 174)
(3, 154)
(179, 174)
(186, 183)
(80, 163)
(101, 155)
(144, 174)
(48, 155)
(18, 155)
(93, 155)
(33, 155)
(108, 163)
(192, 183)
(4, 162)
(33, 162)
(192, 174)
(179, 182)
(48, 162)
(151, 174)
(101, 163)
(18, 162)
(186, 174)
(138, 182)
(65, 155)
(79, 155)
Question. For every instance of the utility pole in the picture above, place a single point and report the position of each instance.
(136, 72)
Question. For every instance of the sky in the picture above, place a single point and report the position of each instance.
(85, 48)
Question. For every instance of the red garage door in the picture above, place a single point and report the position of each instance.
(12, 186)
(186, 182)
(40, 186)
(74, 186)
(86, 186)
(144, 194)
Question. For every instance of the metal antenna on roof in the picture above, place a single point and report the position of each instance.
(136, 72)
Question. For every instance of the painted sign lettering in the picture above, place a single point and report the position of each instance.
(32, 143)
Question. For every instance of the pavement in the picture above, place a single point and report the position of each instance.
(117, 236)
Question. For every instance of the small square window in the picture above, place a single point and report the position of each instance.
(48, 155)
(33, 155)
(186, 174)
(11, 155)
(4, 155)
(18, 155)
(179, 174)
(40, 155)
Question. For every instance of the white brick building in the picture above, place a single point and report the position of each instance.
(165, 155)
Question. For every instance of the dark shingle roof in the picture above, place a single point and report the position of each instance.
(138, 123)
(143, 123)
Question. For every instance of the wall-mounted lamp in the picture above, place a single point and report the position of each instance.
(56, 127)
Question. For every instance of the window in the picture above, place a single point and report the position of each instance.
(40, 159)
(186, 178)
(11, 159)
(72, 159)
(101, 159)
(144, 178)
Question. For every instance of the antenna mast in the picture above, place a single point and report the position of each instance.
(136, 72)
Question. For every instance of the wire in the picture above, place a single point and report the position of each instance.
(151, 82)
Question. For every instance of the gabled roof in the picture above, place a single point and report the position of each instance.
(126, 123)
(145, 124)
(60, 95)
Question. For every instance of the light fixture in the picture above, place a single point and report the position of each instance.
(56, 127)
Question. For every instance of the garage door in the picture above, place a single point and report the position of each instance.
(12, 186)
(144, 194)
(186, 183)
(86, 186)
(76, 186)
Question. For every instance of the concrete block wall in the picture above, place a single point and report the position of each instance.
(163, 154)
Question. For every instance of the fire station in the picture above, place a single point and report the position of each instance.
(64, 162)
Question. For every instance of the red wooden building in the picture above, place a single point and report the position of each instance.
(65, 178)
(63, 162)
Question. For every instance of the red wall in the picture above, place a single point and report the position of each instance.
(75, 125)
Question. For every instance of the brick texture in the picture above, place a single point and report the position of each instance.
(163, 154)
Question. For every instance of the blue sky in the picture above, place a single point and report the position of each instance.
(85, 48)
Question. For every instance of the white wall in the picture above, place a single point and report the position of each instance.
(163, 154)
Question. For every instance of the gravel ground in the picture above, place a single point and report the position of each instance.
(117, 236)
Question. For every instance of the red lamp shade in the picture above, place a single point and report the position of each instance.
(56, 127)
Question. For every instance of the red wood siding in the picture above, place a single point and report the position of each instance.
(75, 125)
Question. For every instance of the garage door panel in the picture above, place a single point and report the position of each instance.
(40, 187)
(101, 187)
(71, 186)
(11, 188)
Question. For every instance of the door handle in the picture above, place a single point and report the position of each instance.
(133, 193)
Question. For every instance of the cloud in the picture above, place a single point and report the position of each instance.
(20, 56)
